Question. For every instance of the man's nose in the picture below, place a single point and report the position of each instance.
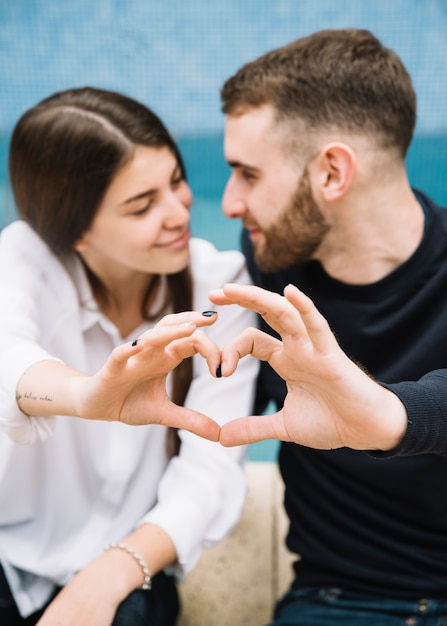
(233, 205)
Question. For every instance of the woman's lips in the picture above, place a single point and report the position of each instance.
(180, 242)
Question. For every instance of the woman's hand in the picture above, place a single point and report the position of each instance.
(93, 595)
(131, 386)
(330, 402)
(89, 599)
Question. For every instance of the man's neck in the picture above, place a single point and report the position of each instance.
(366, 245)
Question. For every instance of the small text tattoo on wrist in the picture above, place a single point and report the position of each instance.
(29, 395)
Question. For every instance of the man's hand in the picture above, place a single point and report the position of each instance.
(330, 402)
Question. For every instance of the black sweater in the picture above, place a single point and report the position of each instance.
(376, 522)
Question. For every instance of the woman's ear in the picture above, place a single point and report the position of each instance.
(81, 244)
(334, 169)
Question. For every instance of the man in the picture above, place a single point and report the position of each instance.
(316, 136)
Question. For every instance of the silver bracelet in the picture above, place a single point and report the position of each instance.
(147, 584)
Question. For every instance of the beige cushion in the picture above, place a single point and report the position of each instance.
(237, 582)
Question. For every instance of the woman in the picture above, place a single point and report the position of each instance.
(94, 278)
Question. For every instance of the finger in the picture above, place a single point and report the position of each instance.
(198, 343)
(193, 421)
(154, 339)
(204, 318)
(245, 430)
(317, 327)
(217, 296)
(274, 308)
(252, 342)
(161, 336)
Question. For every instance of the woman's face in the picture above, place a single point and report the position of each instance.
(142, 223)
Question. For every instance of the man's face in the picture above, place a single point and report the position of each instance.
(270, 192)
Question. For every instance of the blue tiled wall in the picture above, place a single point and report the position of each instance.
(175, 54)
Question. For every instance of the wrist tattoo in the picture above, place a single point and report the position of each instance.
(29, 395)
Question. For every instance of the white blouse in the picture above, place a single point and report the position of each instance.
(70, 486)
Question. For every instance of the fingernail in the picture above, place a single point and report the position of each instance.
(134, 343)
(219, 371)
(209, 313)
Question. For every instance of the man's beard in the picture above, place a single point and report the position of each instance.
(296, 235)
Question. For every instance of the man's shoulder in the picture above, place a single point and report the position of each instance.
(430, 206)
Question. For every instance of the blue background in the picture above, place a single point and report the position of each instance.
(174, 56)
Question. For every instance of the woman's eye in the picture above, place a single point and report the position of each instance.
(177, 182)
(143, 210)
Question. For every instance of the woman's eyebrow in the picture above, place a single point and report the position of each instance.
(143, 194)
(151, 192)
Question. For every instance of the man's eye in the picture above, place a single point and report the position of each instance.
(248, 176)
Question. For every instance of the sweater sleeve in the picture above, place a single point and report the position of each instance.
(425, 401)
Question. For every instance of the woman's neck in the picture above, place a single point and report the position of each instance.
(123, 302)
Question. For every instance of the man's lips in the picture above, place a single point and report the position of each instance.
(253, 231)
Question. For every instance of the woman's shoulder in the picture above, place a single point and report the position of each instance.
(24, 256)
(18, 230)
(19, 239)
(215, 266)
(212, 268)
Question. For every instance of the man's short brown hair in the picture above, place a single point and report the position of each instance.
(343, 79)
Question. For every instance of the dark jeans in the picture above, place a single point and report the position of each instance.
(158, 607)
(331, 607)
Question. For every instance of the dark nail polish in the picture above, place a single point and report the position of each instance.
(219, 371)
(134, 343)
(209, 313)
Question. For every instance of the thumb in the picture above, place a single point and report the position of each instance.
(253, 428)
(187, 419)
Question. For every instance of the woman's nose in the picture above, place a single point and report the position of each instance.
(179, 207)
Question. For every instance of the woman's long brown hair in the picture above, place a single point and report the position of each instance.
(64, 153)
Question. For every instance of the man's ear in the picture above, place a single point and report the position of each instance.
(335, 167)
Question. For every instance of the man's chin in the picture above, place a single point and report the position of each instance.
(269, 263)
